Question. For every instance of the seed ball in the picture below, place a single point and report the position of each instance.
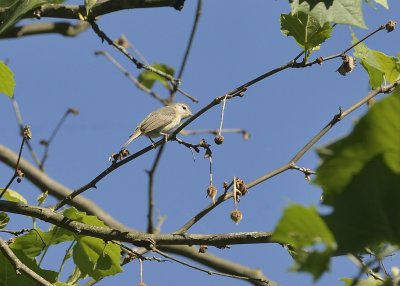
(219, 139)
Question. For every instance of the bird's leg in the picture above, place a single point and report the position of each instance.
(152, 142)
(165, 136)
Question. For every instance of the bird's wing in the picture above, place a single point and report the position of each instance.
(158, 119)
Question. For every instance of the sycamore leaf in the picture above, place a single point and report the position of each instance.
(7, 82)
(348, 12)
(15, 10)
(378, 65)
(366, 211)
(13, 196)
(378, 132)
(148, 78)
(4, 219)
(305, 29)
(92, 255)
(96, 258)
(303, 230)
(8, 275)
(360, 176)
(384, 3)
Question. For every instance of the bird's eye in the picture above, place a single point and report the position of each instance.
(184, 107)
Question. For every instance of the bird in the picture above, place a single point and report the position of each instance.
(160, 122)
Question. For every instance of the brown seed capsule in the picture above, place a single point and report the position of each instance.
(241, 186)
(390, 26)
(212, 192)
(236, 216)
(320, 60)
(246, 135)
(73, 111)
(27, 132)
(219, 139)
(203, 248)
(348, 65)
(226, 185)
(122, 41)
(19, 173)
(203, 143)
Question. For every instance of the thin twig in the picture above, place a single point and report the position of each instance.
(338, 55)
(189, 44)
(131, 77)
(136, 51)
(47, 143)
(103, 36)
(150, 214)
(222, 116)
(21, 128)
(19, 266)
(210, 272)
(364, 268)
(15, 175)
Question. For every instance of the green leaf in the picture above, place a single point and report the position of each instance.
(8, 275)
(16, 10)
(366, 212)
(305, 29)
(34, 242)
(13, 196)
(384, 3)
(314, 262)
(368, 282)
(4, 219)
(378, 65)
(30, 244)
(148, 78)
(347, 12)
(42, 197)
(378, 132)
(7, 82)
(96, 258)
(88, 5)
(92, 255)
(302, 228)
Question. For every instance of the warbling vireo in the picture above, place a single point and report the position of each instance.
(160, 121)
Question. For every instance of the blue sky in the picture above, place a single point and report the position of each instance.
(236, 41)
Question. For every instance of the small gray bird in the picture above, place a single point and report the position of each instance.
(160, 121)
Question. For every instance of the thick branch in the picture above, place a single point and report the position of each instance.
(219, 264)
(136, 238)
(62, 28)
(101, 8)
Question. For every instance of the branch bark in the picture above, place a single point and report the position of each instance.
(63, 28)
(137, 238)
(101, 8)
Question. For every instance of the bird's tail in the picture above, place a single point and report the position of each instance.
(134, 135)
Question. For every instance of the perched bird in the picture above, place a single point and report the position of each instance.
(160, 121)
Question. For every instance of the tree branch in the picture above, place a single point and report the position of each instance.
(140, 239)
(218, 263)
(62, 28)
(101, 8)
